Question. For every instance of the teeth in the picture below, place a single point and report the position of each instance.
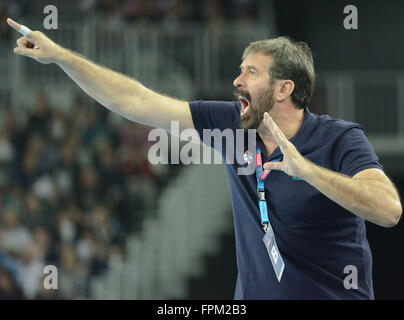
(246, 106)
(244, 110)
(244, 98)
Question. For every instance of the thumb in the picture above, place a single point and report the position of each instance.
(273, 165)
(25, 52)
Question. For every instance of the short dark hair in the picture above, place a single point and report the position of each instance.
(291, 60)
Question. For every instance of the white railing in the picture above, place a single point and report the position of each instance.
(192, 214)
(373, 99)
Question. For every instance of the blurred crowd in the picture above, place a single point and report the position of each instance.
(72, 185)
(171, 13)
(210, 12)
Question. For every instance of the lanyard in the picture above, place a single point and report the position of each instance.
(261, 175)
(269, 238)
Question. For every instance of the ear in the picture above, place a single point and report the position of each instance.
(284, 89)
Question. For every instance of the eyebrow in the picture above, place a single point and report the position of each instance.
(249, 67)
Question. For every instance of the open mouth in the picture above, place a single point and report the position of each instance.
(245, 104)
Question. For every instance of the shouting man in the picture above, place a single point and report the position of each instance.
(300, 219)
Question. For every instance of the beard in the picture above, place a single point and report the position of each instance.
(263, 102)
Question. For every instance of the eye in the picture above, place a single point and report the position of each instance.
(252, 71)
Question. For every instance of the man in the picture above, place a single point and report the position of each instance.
(326, 183)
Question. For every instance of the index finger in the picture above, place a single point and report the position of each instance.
(18, 27)
(277, 133)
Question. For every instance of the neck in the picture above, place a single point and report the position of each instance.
(288, 120)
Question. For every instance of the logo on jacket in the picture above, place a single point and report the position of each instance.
(248, 158)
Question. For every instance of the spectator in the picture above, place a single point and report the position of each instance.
(16, 237)
(8, 287)
(31, 270)
(40, 119)
(72, 274)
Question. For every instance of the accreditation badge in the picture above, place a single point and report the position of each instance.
(274, 254)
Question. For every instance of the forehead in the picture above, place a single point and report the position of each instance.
(258, 60)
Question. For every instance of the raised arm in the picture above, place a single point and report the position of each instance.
(115, 91)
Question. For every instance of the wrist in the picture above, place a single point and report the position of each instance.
(61, 55)
(308, 171)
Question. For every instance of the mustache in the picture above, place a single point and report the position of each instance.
(243, 93)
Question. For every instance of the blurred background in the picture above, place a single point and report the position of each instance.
(76, 188)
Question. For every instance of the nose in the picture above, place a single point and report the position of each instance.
(239, 81)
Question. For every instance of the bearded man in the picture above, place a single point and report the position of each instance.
(300, 219)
